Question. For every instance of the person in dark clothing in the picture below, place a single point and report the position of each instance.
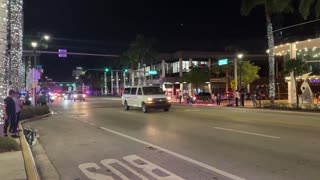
(242, 98)
(10, 111)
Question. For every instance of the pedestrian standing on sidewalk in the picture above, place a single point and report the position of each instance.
(237, 97)
(43, 99)
(242, 98)
(11, 115)
(218, 99)
(18, 104)
(180, 96)
(253, 99)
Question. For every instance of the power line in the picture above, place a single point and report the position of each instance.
(296, 25)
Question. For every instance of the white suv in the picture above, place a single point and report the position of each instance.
(146, 97)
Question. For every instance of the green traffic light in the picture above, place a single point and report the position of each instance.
(126, 70)
(106, 69)
(61, 84)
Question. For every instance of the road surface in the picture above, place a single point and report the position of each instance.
(97, 139)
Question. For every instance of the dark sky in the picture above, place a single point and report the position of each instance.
(108, 26)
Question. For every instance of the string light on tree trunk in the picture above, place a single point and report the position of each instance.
(16, 37)
(3, 53)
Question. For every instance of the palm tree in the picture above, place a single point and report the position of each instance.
(305, 7)
(270, 7)
(140, 51)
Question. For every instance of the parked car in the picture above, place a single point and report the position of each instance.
(203, 96)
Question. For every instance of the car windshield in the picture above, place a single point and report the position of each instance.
(152, 90)
(79, 92)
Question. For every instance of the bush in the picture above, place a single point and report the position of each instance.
(30, 112)
(8, 144)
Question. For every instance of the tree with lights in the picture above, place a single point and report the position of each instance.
(3, 54)
(270, 7)
(15, 37)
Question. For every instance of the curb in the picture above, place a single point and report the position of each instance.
(29, 163)
(36, 118)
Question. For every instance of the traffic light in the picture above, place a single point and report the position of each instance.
(61, 85)
(74, 84)
(126, 70)
(106, 69)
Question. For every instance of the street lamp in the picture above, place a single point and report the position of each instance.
(240, 56)
(34, 44)
(46, 37)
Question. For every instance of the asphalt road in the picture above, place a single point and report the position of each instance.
(97, 139)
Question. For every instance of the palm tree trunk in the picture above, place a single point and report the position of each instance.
(296, 84)
(3, 59)
(271, 58)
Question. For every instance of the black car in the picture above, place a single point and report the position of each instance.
(203, 96)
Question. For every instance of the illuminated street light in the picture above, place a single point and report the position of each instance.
(34, 44)
(240, 56)
(46, 37)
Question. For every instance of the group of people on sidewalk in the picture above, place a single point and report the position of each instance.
(239, 98)
(12, 112)
(254, 96)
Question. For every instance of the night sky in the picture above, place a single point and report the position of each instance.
(108, 26)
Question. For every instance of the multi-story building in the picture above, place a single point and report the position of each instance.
(171, 66)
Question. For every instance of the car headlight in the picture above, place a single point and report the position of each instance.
(84, 95)
(169, 98)
(75, 96)
(149, 99)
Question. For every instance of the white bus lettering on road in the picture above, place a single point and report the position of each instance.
(136, 161)
(151, 168)
(93, 175)
(107, 163)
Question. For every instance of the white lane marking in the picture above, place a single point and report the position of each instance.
(92, 124)
(244, 132)
(85, 121)
(201, 164)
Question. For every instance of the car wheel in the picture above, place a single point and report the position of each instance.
(126, 107)
(166, 109)
(144, 108)
(84, 100)
(74, 100)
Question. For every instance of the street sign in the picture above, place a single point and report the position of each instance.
(63, 53)
(222, 62)
(153, 72)
(233, 84)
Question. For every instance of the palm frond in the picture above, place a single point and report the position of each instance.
(304, 7)
(248, 5)
(279, 6)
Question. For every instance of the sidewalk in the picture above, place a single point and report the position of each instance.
(224, 103)
(18, 164)
(12, 165)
